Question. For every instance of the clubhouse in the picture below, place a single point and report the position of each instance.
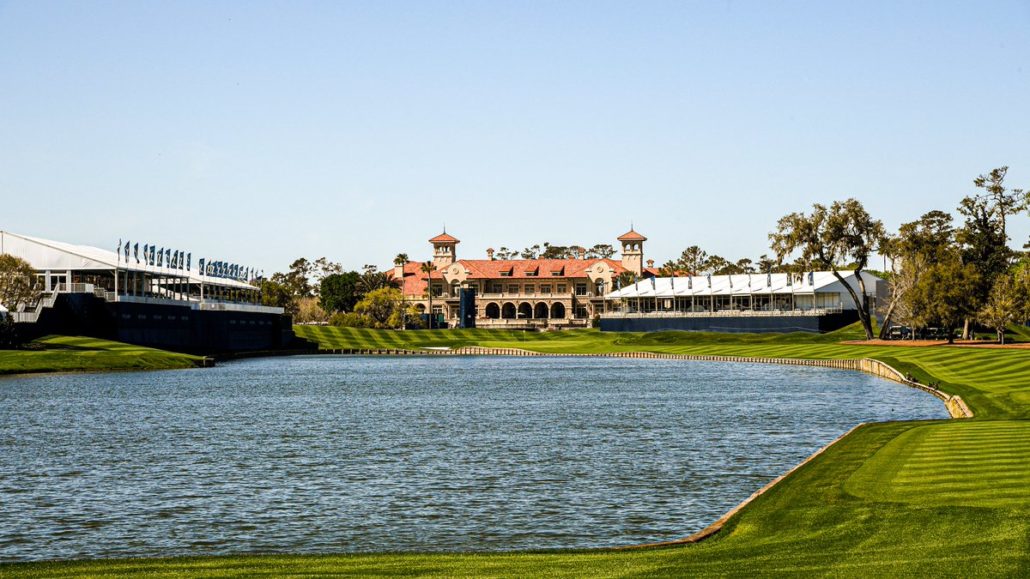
(518, 293)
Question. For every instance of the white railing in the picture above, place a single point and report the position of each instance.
(531, 323)
(527, 296)
(163, 301)
(31, 316)
(237, 307)
(47, 300)
(724, 313)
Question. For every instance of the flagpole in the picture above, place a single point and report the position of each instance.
(118, 261)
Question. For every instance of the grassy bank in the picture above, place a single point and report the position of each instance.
(903, 498)
(77, 354)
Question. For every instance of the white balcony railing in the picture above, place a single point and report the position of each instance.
(526, 296)
(723, 313)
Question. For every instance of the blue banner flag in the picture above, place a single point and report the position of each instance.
(135, 252)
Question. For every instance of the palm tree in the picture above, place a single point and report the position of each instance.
(428, 268)
(373, 280)
(401, 259)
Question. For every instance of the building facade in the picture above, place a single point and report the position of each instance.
(518, 293)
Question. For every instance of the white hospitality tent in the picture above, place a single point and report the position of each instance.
(815, 290)
(68, 267)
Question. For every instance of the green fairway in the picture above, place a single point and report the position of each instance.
(897, 499)
(76, 354)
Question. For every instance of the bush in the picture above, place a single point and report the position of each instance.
(309, 312)
(349, 320)
(8, 336)
(382, 307)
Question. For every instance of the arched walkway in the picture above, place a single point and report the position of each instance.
(557, 311)
(525, 311)
(493, 311)
(508, 311)
(540, 311)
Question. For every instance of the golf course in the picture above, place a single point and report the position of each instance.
(897, 498)
(79, 354)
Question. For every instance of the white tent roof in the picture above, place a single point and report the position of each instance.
(45, 254)
(742, 284)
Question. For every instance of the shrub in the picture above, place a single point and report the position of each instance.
(349, 320)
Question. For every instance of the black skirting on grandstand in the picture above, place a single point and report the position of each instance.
(732, 324)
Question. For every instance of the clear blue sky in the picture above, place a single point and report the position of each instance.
(259, 132)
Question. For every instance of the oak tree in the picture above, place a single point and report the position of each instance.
(842, 233)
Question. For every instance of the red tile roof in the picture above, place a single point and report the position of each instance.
(631, 236)
(414, 282)
(492, 268)
(444, 238)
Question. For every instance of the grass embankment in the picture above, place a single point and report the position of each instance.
(77, 354)
(901, 499)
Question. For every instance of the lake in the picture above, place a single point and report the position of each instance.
(354, 454)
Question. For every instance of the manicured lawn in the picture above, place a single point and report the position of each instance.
(75, 354)
(897, 499)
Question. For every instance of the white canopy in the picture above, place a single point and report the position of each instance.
(807, 283)
(45, 254)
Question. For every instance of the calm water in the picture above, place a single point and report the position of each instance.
(319, 454)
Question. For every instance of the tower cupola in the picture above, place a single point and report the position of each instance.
(633, 251)
(444, 249)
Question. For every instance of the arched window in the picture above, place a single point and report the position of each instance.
(557, 312)
(525, 311)
(508, 311)
(540, 311)
(493, 311)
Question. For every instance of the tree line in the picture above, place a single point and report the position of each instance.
(320, 291)
(547, 251)
(942, 273)
(958, 275)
